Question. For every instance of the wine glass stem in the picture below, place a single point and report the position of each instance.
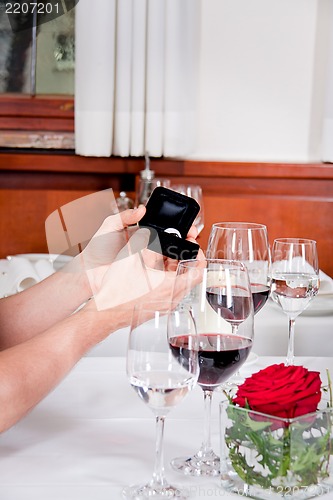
(158, 475)
(234, 329)
(291, 338)
(206, 446)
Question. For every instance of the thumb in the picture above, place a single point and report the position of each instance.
(119, 221)
(132, 216)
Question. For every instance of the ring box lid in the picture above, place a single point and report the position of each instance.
(171, 214)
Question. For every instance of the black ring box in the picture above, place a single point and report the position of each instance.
(169, 216)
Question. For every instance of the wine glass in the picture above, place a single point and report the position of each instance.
(194, 191)
(162, 366)
(294, 280)
(247, 242)
(219, 294)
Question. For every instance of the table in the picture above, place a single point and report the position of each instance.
(313, 335)
(313, 332)
(92, 436)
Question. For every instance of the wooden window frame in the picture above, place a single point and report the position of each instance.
(37, 122)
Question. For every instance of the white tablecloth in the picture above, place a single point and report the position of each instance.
(92, 436)
(313, 334)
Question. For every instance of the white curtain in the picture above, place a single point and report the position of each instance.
(136, 76)
(327, 140)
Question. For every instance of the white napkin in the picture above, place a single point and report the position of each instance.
(43, 268)
(326, 284)
(296, 265)
(18, 273)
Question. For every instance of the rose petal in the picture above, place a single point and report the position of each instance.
(280, 390)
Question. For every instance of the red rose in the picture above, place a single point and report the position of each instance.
(280, 390)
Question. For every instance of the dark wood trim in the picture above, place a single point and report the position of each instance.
(42, 106)
(69, 162)
(64, 161)
(36, 121)
(259, 170)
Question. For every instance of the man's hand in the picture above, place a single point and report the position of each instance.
(105, 245)
(140, 274)
(117, 239)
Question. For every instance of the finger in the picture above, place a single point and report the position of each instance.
(192, 234)
(137, 243)
(201, 255)
(170, 264)
(186, 281)
(153, 257)
(192, 240)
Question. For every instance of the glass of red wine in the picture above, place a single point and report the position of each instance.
(219, 294)
(247, 242)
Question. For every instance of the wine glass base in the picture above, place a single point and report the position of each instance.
(208, 466)
(149, 491)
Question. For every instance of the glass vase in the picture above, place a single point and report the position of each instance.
(267, 457)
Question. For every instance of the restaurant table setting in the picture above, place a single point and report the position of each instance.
(93, 438)
(314, 329)
(19, 272)
(313, 335)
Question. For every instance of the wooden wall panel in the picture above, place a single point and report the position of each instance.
(282, 217)
(23, 215)
(288, 207)
(292, 200)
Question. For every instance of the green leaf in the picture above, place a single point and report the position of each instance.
(298, 454)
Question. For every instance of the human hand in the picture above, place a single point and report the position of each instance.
(113, 235)
(135, 272)
(105, 245)
(139, 274)
(170, 264)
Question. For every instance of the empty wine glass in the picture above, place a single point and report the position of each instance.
(247, 242)
(162, 367)
(194, 191)
(219, 293)
(294, 280)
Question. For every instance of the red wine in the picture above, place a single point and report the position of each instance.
(220, 356)
(260, 294)
(235, 311)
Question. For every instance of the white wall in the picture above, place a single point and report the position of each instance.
(262, 79)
